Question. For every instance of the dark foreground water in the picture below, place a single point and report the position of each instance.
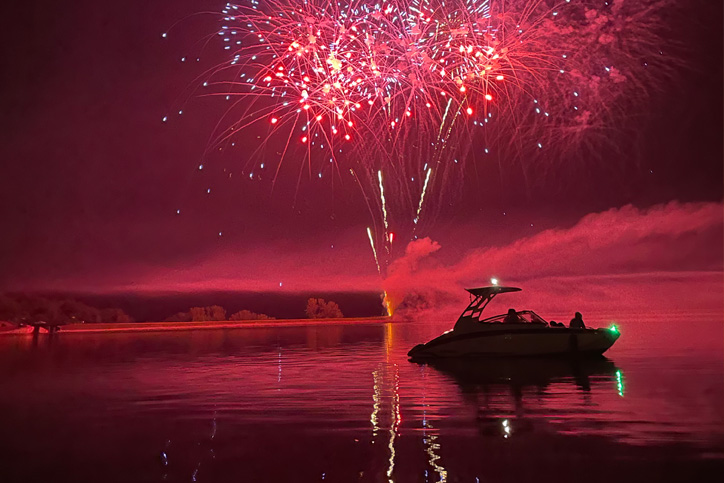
(342, 403)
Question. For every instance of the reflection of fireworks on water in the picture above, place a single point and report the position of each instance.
(402, 93)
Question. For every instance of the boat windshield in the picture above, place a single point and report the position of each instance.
(524, 317)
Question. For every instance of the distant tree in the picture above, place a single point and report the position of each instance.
(71, 311)
(214, 312)
(198, 314)
(41, 309)
(180, 317)
(217, 312)
(115, 316)
(10, 309)
(249, 315)
(320, 309)
(23, 308)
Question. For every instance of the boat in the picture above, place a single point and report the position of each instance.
(516, 334)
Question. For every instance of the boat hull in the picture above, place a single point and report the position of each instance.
(518, 343)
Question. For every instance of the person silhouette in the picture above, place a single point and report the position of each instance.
(511, 318)
(577, 322)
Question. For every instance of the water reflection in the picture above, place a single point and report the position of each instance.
(518, 373)
(620, 386)
(202, 449)
(429, 438)
(339, 404)
(504, 393)
(386, 392)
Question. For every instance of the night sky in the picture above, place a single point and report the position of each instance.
(91, 179)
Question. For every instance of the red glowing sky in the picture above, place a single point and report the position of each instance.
(91, 182)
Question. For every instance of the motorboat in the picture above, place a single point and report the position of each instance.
(517, 333)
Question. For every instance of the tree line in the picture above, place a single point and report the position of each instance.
(28, 309)
(317, 308)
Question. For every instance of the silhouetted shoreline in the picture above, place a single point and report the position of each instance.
(199, 325)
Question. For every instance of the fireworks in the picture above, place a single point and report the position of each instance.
(412, 90)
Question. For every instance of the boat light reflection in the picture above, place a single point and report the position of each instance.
(620, 383)
(376, 397)
(396, 419)
(386, 387)
(429, 438)
(506, 428)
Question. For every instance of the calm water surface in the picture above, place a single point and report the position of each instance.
(342, 403)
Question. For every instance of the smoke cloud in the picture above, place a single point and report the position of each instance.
(663, 259)
(626, 260)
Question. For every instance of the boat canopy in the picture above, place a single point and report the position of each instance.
(481, 296)
(487, 291)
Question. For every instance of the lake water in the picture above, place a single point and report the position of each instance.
(343, 403)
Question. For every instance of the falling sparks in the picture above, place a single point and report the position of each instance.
(422, 196)
(374, 250)
(351, 61)
(382, 200)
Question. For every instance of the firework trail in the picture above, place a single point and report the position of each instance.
(422, 196)
(395, 88)
(383, 202)
(374, 250)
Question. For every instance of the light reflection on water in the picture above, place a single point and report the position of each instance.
(343, 403)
